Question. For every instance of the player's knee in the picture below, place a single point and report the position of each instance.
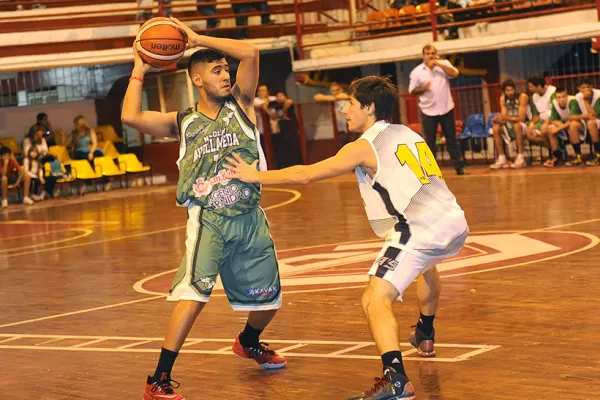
(4, 180)
(377, 296)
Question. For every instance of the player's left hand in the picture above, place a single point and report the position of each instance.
(241, 170)
(189, 33)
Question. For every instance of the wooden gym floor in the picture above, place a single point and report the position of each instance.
(82, 309)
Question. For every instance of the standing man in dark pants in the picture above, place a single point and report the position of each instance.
(430, 81)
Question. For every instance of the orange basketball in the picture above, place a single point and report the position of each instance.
(160, 42)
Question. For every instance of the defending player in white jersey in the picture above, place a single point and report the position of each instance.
(407, 203)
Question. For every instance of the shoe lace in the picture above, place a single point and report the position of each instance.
(165, 386)
(261, 348)
(379, 383)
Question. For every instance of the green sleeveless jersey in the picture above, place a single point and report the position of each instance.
(512, 105)
(204, 145)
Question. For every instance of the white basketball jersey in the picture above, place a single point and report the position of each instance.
(580, 102)
(542, 103)
(407, 194)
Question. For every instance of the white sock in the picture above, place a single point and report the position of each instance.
(501, 159)
(520, 156)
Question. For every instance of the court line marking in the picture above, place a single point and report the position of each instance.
(138, 286)
(594, 240)
(27, 321)
(349, 349)
(60, 222)
(292, 347)
(477, 349)
(191, 342)
(10, 339)
(31, 235)
(49, 341)
(296, 195)
(77, 346)
(127, 346)
(86, 233)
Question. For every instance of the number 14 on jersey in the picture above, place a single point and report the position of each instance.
(423, 165)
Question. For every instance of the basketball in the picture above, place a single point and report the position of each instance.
(160, 42)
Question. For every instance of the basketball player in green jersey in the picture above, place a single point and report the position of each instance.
(510, 124)
(227, 231)
(564, 122)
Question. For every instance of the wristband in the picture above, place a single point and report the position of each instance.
(136, 78)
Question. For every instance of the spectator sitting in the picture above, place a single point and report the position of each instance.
(244, 8)
(209, 10)
(12, 173)
(85, 142)
(35, 138)
(145, 15)
(340, 98)
(85, 146)
(33, 168)
(281, 113)
(262, 96)
(43, 123)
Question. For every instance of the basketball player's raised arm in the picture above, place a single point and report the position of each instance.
(148, 122)
(248, 54)
(348, 158)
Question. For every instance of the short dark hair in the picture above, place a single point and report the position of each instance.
(428, 47)
(585, 81)
(536, 80)
(376, 90)
(41, 116)
(4, 150)
(204, 56)
(77, 118)
(561, 90)
(508, 83)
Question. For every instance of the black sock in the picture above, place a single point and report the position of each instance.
(249, 337)
(557, 154)
(597, 147)
(165, 365)
(393, 359)
(425, 324)
(577, 148)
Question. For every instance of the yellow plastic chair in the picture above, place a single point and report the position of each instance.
(82, 170)
(107, 167)
(61, 181)
(133, 165)
(60, 153)
(109, 149)
(12, 144)
(107, 133)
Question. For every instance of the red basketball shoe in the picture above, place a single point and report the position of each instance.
(162, 390)
(261, 353)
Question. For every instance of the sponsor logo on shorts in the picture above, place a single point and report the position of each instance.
(387, 262)
(207, 283)
(261, 291)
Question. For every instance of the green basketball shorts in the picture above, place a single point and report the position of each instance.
(239, 249)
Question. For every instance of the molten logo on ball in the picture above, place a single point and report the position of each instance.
(166, 47)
